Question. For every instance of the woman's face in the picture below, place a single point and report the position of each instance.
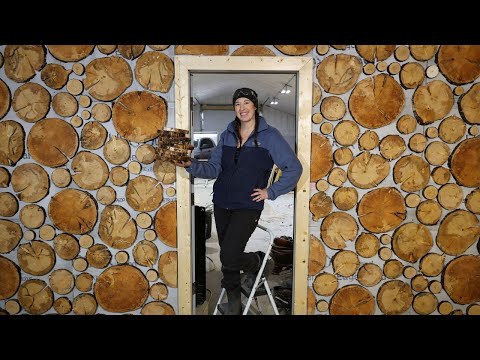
(245, 109)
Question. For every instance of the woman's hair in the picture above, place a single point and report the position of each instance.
(237, 128)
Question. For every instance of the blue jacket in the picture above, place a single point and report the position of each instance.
(236, 181)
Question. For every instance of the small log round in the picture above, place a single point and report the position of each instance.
(252, 50)
(451, 129)
(432, 102)
(66, 246)
(84, 282)
(9, 278)
(4, 178)
(294, 50)
(167, 268)
(472, 201)
(392, 269)
(457, 232)
(445, 308)
(460, 64)
(343, 156)
(150, 235)
(338, 228)
(322, 306)
(402, 53)
(35, 296)
(122, 257)
(322, 49)
(101, 112)
(430, 192)
(394, 297)
(369, 69)
(47, 232)
(151, 275)
(437, 153)
(337, 177)
(144, 193)
(32, 216)
(424, 303)
(164, 171)
(93, 136)
(450, 196)
(423, 52)
(385, 253)
(338, 73)
(22, 61)
(84, 304)
(12, 139)
(441, 175)
(412, 172)
(322, 185)
(78, 69)
(107, 78)
(70, 53)
(62, 281)
(431, 132)
(85, 101)
(373, 53)
(166, 224)
(320, 205)
(159, 291)
(345, 263)
(429, 212)
(381, 66)
(86, 114)
(10, 235)
(435, 286)
(106, 49)
(316, 94)
(144, 220)
(385, 239)
(392, 147)
(86, 241)
(8, 204)
(29, 235)
(134, 167)
(145, 154)
(117, 229)
(409, 272)
(412, 200)
(367, 245)
(106, 195)
(417, 143)
(76, 121)
(367, 170)
(473, 309)
(326, 128)
(119, 176)
(322, 157)
(31, 102)
(317, 256)
(461, 279)
(157, 308)
(64, 104)
(145, 253)
(31, 182)
(98, 256)
(432, 71)
(36, 258)
(394, 68)
(333, 108)
(419, 283)
(369, 140)
(55, 76)
(468, 105)
(406, 124)
(458, 90)
(116, 150)
(90, 172)
(5, 98)
(170, 192)
(339, 47)
(325, 284)
(74, 86)
(352, 300)
(80, 264)
(61, 178)
(346, 132)
(412, 241)
(465, 163)
(369, 275)
(62, 305)
(345, 198)
(154, 71)
(432, 264)
(12, 307)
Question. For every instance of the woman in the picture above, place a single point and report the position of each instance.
(242, 163)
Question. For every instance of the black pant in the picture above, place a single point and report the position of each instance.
(234, 228)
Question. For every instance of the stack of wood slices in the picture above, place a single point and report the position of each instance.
(174, 146)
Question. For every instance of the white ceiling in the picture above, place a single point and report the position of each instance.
(218, 88)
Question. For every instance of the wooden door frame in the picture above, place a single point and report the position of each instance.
(303, 68)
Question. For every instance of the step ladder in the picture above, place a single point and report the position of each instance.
(260, 286)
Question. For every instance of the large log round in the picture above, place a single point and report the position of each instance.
(465, 163)
(294, 50)
(432, 264)
(90, 171)
(320, 205)
(412, 172)
(423, 52)
(352, 300)
(206, 50)
(450, 196)
(107, 78)
(31, 182)
(98, 256)
(21, 61)
(121, 288)
(367, 170)
(12, 139)
(412, 75)
(424, 303)
(461, 279)
(382, 210)
(325, 284)
(322, 157)
(338, 73)
(36, 258)
(432, 102)
(337, 228)
(345, 263)
(458, 231)
(377, 101)
(429, 212)
(93, 135)
(8, 204)
(116, 150)
(35, 296)
(55, 76)
(367, 245)
(345, 198)
(10, 235)
(166, 223)
(154, 71)
(468, 105)
(117, 228)
(167, 268)
(31, 102)
(66, 246)
(373, 53)
(451, 129)
(70, 53)
(370, 274)
(144, 193)
(157, 308)
(394, 297)
(145, 253)
(392, 146)
(165, 171)
(139, 116)
(4, 99)
(460, 64)
(411, 241)
(253, 50)
(73, 211)
(317, 256)
(9, 278)
(84, 304)
(62, 281)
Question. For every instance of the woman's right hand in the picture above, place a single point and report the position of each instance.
(183, 163)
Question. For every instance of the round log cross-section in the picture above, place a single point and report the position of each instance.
(154, 71)
(461, 279)
(458, 231)
(166, 223)
(9, 278)
(338, 228)
(338, 73)
(411, 241)
(167, 268)
(394, 297)
(31, 182)
(322, 157)
(352, 300)
(12, 139)
(317, 256)
(117, 228)
(465, 163)
(460, 64)
(144, 193)
(432, 101)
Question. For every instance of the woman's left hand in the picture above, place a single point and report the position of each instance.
(259, 194)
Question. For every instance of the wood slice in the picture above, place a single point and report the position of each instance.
(337, 177)
(373, 53)
(84, 304)
(419, 283)
(32, 216)
(66, 246)
(432, 264)
(394, 68)
(167, 268)
(206, 50)
(468, 105)
(106, 49)
(151, 275)
(134, 167)
(473, 309)
(411, 241)
(369, 69)
(130, 52)
(461, 279)
(338, 73)
(473, 131)
(385, 253)
(424, 303)
(139, 116)
(36, 258)
(52, 142)
(322, 306)
(432, 102)
(171, 192)
(106, 195)
(394, 297)
(121, 288)
(144, 193)
(460, 64)
(12, 139)
(458, 90)
(392, 146)
(159, 291)
(5, 98)
(457, 232)
(367, 245)
(8, 204)
(86, 241)
(346, 132)
(4, 178)
(322, 157)
(345, 198)
(12, 307)
(445, 308)
(392, 269)
(367, 170)
(84, 282)
(451, 129)
(339, 47)
(385, 239)
(31, 182)
(116, 150)
(472, 201)
(21, 61)
(412, 172)
(101, 112)
(157, 308)
(78, 69)
(47, 232)
(76, 121)
(122, 257)
(430, 192)
(149, 235)
(435, 286)
(35, 296)
(322, 185)
(74, 86)
(409, 272)
(345, 263)
(73, 211)
(61, 178)
(31, 102)
(62, 305)
(145, 253)
(164, 171)
(86, 114)
(55, 76)
(333, 108)
(119, 176)
(337, 228)
(343, 156)
(85, 101)
(107, 78)
(369, 275)
(154, 71)
(62, 281)
(440, 175)
(1, 60)
(381, 210)
(253, 50)
(64, 104)
(317, 256)
(429, 212)
(316, 94)
(326, 128)
(376, 101)
(406, 124)
(431, 132)
(352, 300)
(322, 49)
(29, 235)
(93, 136)
(90, 172)
(381, 66)
(423, 52)
(369, 140)
(450, 196)
(117, 229)
(412, 200)
(98, 256)
(402, 53)
(465, 163)
(325, 284)
(70, 53)
(9, 278)
(146, 154)
(432, 71)
(437, 153)
(144, 220)
(294, 50)
(166, 223)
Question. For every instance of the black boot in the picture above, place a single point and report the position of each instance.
(234, 304)
(250, 277)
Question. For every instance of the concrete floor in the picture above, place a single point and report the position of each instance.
(277, 216)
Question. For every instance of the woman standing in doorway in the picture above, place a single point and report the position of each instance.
(242, 163)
